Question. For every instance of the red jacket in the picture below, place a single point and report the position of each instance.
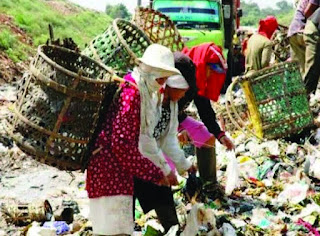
(208, 86)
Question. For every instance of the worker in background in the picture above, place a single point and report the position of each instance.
(259, 49)
(297, 45)
(245, 42)
(205, 84)
(312, 41)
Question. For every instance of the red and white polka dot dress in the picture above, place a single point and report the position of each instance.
(110, 172)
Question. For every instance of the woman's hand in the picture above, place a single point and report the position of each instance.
(164, 182)
(192, 169)
(172, 178)
(183, 137)
(169, 180)
(225, 141)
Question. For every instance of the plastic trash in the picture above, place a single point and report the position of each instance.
(248, 168)
(232, 173)
(173, 231)
(292, 149)
(308, 226)
(61, 227)
(312, 167)
(260, 218)
(293, 193)
(153, 227)
(228, 230)
(272, 147)
(36, 230)
(200, 220)
(265, 168)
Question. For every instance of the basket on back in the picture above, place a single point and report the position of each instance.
(277, 101)
(159, 28)
(58, 105)
(119, 46)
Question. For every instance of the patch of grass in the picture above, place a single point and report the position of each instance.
(10, 44)
(33, 16)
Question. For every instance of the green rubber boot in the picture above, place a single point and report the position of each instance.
(206, 158)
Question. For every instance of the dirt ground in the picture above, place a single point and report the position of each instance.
(25, 181)
(62, 7)
(10, 71)
(8, 21)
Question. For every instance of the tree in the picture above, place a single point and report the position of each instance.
(252, 13)
(283, 6)
(118, 11)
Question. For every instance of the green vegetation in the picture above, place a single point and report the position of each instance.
(10, 44)
(33, 16)
(118, 11)
(252, 13)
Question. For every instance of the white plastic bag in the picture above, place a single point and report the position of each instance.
(198, 219)
(232, 173)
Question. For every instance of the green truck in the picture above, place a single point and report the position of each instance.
(202, 21)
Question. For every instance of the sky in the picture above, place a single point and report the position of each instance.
(100, 5)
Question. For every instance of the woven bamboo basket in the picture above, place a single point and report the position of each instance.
(58, 106)
(225, 122)
(23, 214)
(119, 46)
(277, 102)
(159, 28)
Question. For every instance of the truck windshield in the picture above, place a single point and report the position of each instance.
(191, 14)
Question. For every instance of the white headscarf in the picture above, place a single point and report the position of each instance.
(145, 77)
(177, 81)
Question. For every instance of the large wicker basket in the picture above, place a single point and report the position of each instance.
(58, 106)
(276, 99)
(119, 46)
(159, 28)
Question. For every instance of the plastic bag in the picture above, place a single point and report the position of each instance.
(232, 173)
(200, 220)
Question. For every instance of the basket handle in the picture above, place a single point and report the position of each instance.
(240, 121)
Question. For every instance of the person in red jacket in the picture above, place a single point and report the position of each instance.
(210, 73)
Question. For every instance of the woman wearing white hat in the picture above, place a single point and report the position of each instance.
(126, 136)
(156, 197)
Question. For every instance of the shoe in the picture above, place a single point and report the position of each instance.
(213, 191)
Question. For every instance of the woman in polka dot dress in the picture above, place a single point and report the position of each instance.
(125, 138)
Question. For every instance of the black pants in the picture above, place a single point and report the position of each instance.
(158, 198)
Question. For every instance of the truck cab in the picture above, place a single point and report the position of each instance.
(198, 21)
(202, 21)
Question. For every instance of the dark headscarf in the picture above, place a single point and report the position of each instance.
(187, 68)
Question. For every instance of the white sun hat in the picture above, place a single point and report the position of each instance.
(159, 57)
